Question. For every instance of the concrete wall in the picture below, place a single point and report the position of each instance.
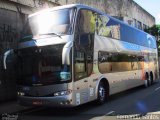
(127, 10)
(13, 15)
(11, 23)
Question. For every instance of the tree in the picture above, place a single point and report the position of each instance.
(155, 31)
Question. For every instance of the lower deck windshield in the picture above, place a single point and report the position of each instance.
(42, 66)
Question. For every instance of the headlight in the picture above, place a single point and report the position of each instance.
(61, 93)
(20, 93)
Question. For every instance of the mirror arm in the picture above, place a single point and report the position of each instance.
(5, 57)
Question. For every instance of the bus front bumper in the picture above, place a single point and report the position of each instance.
(58, 101)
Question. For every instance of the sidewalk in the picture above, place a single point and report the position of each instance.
(11, 107)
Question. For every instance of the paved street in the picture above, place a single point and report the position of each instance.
(139, 101)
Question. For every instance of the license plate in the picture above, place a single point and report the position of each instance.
(37, 102)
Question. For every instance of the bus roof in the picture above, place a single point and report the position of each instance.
(64, 7)
(86, 7)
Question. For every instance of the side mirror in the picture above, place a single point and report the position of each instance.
(5, 57)
(66, 53)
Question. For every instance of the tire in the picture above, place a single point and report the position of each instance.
(102, 93)
(147, 81)
(151, 78)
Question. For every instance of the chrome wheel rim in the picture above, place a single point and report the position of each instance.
(101, 93)
(146, 83)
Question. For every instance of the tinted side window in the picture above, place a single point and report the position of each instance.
(108, 28)
(85, 29)
(86, 22)
(84, 42)
(138, 37)
(115, 62)
(80, 66)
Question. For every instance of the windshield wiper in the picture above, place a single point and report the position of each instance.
(51, 34)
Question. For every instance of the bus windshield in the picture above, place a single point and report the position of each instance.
(42, 65)
(57, 22)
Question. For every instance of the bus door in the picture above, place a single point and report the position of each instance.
(83, 55)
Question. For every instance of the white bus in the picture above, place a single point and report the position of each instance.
(73, 54)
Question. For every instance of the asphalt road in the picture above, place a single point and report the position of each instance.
(139, 101)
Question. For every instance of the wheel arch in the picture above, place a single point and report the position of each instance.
(105, 82)
(151, 74)
(146, 75)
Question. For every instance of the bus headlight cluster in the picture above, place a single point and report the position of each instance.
(61, 93)
(20, 93)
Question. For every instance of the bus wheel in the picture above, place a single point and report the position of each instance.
(147, 81)
(101, 93)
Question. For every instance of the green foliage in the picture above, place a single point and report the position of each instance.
(156, 33)
(154, 30)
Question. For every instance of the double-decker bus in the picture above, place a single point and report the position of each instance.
(73, 54)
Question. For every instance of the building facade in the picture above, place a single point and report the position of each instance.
(126, 10)
(13, 16)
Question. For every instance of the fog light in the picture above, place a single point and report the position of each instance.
(20, 93)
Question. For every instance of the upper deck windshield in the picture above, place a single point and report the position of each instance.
(58, 22)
